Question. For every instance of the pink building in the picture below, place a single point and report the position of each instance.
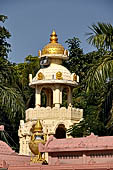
(8, 157)
(87, 153)
(80, 151)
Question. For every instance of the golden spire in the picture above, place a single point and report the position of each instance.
(38, 127)
(53, 38)
(53, 47)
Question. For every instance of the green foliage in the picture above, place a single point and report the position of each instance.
(101, 74)
(10, 95)
(92, 105)
(101, 36)
(87, 126)
(78, 62)
(12, 105)
(30, 66)
(4, 35)
(15, 93)
(94, 94)
(76, 56)
(64, 98)
(91, 100)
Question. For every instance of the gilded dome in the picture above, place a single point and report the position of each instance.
(53, 47)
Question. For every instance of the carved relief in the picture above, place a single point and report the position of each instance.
(40, 76)
(74, 77)
(59, 75)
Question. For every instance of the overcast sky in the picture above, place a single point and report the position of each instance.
(31, 22)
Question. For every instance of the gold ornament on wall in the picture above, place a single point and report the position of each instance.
(74, 77)
(59, 75)
(40, 76)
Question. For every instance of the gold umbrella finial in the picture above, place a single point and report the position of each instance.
(53, 38)
(38, 127)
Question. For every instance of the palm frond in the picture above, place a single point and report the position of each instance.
(12, 100)
(101, 73)
(101, 36)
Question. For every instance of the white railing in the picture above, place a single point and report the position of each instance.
(54, 113)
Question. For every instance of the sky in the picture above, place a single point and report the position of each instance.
(31, 22)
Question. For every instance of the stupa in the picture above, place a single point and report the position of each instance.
(49, 83)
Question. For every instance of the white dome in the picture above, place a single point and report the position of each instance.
(49, 73)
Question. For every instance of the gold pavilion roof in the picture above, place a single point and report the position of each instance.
(53, 47)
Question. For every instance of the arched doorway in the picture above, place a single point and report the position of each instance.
(64, 97)
(46, 97)
(43, 99)
(60, 132)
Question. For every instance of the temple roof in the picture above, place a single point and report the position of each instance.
(88, 143)
(5, 148)
(49, 76)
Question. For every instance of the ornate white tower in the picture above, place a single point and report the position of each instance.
(49, 83)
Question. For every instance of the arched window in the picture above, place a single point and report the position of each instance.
(46, 97)
(43, 98)
(60, 132)
(65, 97)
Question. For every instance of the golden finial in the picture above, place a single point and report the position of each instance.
(38, 127)
(53, 38)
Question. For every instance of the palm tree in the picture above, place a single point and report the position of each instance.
(12, 105)
(10, 95)
(101, 74)
(101, 36)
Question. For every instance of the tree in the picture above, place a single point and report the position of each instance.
(15, 93)
(101, 74)
(9, 91)
(94, 117)
(91, 101)
(30, 66)
(74, 64)
(4, 35)
(101, 36)
(12, 105)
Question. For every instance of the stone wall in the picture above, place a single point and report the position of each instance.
(50, 119)
(54, 113)
(107, 166)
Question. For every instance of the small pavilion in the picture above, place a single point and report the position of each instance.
(86, 153)
(51, 83)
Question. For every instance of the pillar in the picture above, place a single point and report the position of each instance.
(56, 97)
(27, 145)
(61, 89)
(49, 98)
(21, 143)
(37, 97)
(60, 96)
